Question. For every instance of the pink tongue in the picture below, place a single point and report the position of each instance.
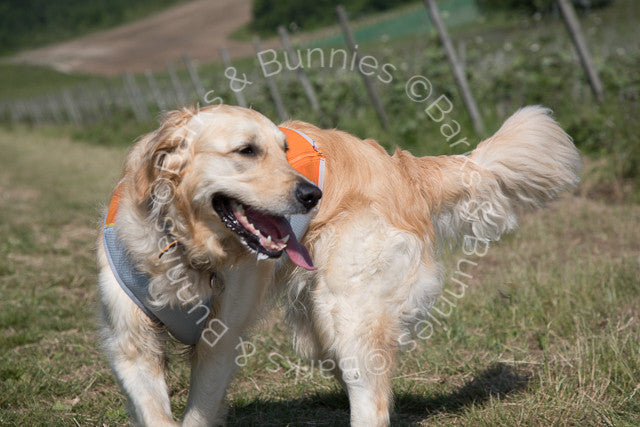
(296, 250)
(299, 254)
(280, 227)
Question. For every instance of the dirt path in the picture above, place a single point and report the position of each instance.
(198, 27)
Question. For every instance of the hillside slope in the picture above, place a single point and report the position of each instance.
(198, 28)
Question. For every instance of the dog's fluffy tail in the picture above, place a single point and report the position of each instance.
(526, 163)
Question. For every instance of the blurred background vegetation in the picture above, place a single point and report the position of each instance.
(307, 15)
(514, 55)
(31, 23)
(541, 6)
(516, 52)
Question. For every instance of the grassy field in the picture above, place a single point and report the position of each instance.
(548, 331)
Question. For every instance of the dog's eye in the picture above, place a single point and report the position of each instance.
(247, 150)
(286, 146)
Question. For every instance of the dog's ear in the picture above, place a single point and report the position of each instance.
(165, 154)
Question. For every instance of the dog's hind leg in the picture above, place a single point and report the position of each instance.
(365, 360)
(367, 272)
(136, 350)
(360, 338)
(361, 357)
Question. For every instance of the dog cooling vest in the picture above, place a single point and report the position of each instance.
(305, 157)
(186, 323)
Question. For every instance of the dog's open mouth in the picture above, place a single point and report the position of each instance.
(265, 234)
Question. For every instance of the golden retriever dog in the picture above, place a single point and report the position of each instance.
(200, 220)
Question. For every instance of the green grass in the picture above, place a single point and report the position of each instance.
(25, 81)
(51, 192)
(407, 21)
(547, 331)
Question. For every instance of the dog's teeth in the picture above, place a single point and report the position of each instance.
(268, 241)
(285, 239)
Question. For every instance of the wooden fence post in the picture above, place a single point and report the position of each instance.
(458, 72)
(573, 26)
(115, 99)
(227, 63)
(70, 106)
(302, 76)
(102, 95)
(155, 90)
(131, 97)
(14, 113)
(273, 89)
(43, 109)
(177, 85)
(34, 111)
(139, 105)
(195, 79)
(371, 90)
(92, 100)
(54, 106)
(21, 113)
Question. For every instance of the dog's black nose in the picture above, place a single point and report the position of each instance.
(308, 194)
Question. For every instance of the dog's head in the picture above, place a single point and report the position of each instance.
(220, 176)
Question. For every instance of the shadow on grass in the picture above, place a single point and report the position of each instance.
(497, 380)
(332, 408)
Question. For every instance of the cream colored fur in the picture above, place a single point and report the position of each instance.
(374, 241)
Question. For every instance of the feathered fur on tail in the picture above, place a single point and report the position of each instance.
(526, 163)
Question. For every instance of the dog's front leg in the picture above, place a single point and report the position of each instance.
(136, 350)
(213, 362)
(212, 368)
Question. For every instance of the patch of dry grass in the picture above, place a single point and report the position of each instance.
(546, 333)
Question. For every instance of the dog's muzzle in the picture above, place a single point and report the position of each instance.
(265, 234)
